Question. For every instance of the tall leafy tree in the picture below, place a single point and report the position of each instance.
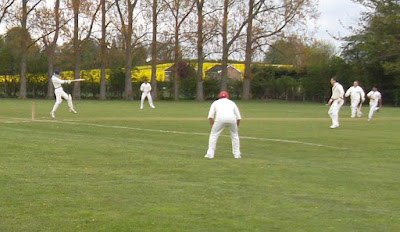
(126, 16)
(374, 50)
(26, 10)
(180, 10)
(90, 9)
(49, 21)
(266, 20)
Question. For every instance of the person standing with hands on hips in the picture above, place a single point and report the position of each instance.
(336, 102)
(224, 113)
(145, 87)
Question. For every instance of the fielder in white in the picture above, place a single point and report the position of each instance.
(145, 87)
(224, 113)
(357, 97)
(375, 101)
(60, 94)
(336, 102)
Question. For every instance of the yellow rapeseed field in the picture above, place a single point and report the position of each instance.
(138, 73)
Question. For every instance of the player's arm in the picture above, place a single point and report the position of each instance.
(362, 95)
(211, 114)
(237, 114)
(211, 120)
(348, 92)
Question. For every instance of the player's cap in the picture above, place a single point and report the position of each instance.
(223, 94)
(57, 72)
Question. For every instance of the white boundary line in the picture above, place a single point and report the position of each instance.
(173, 132)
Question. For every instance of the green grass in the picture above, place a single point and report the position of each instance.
(110, 168)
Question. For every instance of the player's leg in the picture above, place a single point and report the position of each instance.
(338, 106)
(353, 106)
(235, 140)
(56, 104)
(372, 109)
(216, 130)
(142, 100)
(68, 97)
(331, 112)
(150, 100)
(334, 113)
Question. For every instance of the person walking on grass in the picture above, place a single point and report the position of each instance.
(336, 101)
(375, 101)
(357, 97)
(145, 87)
(223, 113)
(60, 94)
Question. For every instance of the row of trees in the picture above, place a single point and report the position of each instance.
(119, 35)
(183, 28)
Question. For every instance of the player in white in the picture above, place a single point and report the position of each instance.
(60, 94)
(336, 102)
(375, 101)
(145, 87)
(357, 97)
(224, 113)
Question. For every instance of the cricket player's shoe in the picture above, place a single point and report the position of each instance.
(152, 106)
(369, 119)
(52, 114)
(208, 156)
(73, 111)
(238, 156)
(141, 107)
(334, 126)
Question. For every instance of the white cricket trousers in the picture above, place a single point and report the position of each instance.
(216, 130)
(355, 111)
(60, 94)
(372, 108)
(148, 95)
(334, 111)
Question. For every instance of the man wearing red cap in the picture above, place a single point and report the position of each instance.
(224, 113)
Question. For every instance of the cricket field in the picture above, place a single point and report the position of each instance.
(114, 167)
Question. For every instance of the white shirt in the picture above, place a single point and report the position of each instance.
(337, 91)
(224, 110)
(374, 97)
(145, 87)
(57, 82)
(356, 93)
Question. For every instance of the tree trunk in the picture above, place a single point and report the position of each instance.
(200, 52)
(77, 52)
(103, 52)
(50, 71)
(23, 65)
(128, 75)
(249, 53)
(176, 60)
(51, 51)
(154, 53)
(225, 47)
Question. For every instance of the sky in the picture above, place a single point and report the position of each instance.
(336, 16)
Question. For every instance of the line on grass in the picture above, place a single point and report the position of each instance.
(183, 133)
